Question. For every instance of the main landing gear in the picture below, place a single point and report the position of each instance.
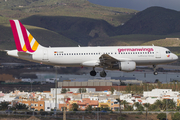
(93, 73)
(155, 72)
(102, 74)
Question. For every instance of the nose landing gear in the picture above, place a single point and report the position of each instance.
(155, 72)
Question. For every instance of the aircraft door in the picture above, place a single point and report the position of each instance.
(45, 54)
(157, 53)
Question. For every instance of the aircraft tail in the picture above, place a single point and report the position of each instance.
(24, 41)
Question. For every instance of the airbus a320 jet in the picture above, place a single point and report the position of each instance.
(123, 58)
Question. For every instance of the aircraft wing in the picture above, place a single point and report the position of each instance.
(107, 60)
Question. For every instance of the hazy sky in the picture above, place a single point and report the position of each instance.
(139, 4)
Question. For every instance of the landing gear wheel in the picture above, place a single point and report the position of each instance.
(93, 73)
(155, 73)
(103, 74)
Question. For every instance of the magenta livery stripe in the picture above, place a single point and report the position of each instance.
(16, 37)
(26, 39)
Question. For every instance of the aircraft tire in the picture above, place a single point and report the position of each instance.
(93, 73)
(155, 73)
(103, 74)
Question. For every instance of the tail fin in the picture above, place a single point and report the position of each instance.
(23, 39)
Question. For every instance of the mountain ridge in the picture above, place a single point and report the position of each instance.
(153, 20)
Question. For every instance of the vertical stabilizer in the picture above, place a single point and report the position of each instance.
(23, 39)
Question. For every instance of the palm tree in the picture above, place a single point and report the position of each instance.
(139, 106)
(147, 107)
(158, 103)
(74, 107)
(136, 104)
(129, 108)
(112, 90)
(164, 104)
(125, 103)
(119, 101)
(89, 108)
(171, 104)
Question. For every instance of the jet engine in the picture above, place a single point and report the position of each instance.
(125, 66)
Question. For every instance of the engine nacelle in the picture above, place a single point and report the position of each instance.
(92, 63)
(127, 66)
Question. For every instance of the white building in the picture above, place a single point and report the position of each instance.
(160, 93)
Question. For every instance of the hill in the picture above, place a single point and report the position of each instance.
(153, 20)
(73, 22)
(151, 24)
(19, 9)
(84, 21)
(43, 36)
(81, 30)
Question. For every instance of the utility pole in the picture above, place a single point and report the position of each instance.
(166, 99)
(64, 111)
(55, 108)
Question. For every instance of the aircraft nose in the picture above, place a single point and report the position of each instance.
(175, 57)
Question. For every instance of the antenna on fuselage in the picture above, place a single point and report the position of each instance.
(79, 46)
(152, 44)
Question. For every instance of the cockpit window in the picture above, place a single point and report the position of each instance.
(168, 52)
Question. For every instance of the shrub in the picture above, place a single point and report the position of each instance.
(176, 116)
(161, 116)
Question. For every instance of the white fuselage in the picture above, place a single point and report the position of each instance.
(89, 56)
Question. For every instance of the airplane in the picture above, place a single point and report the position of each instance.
(123, 58)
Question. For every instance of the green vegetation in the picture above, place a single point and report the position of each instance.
(139, 106)
(78, 15)
(89, 108)
(164, 42)
(63, 90)
(76, 8)
(4, 105)
(74, 107)
(82, 90)
(17, 106)
(161, 116)
(136, 89)
(176, 116)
